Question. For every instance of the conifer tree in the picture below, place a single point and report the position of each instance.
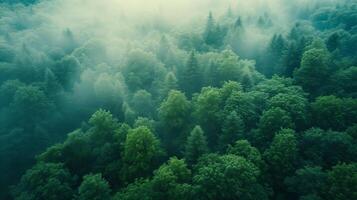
(196, 145)
(191, 81)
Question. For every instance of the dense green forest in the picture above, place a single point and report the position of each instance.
(178, 100)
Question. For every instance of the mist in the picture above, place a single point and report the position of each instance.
(222, 74)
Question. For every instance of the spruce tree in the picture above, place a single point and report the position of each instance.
(191, 81)
(196, 145)
(232, 130)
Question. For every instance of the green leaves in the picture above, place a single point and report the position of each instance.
(45, 181)
(333, 112)
(342, 181)
(281, 157)
(196, 145)
(94, 187)
(314, 71)
(228, 177)
(141, 153)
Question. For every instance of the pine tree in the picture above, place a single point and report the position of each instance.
(238, 22)
(232, 130)
(209, 34)
(196, 145)
(170, 84)
(191, 81)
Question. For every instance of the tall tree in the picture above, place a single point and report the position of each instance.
(313, 73)
(232, 130)
(209, 33)
(196, 145)
(174, 115)
(191, 79)
(171, 83)
(281, 159)
(141, 153)
(207, 112)
(275, 52)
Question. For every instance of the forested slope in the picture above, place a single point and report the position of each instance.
(228, 100)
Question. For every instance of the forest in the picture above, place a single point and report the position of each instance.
(178, 100)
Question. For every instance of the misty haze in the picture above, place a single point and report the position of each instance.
(178, 99)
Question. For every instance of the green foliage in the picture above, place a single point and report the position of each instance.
(207, 112)
(67, 71)
(244, 149)
(342, 181)
(45, 181)
(141, 153)
(327, 148)
(191, 79)
(308, 181)
(196, 145)
(8, 90)
(281, 158)
(273, 95)
(228, 177)
(213, 34)
(149, 123)
(169, 181)
(314, 71)
(333, 112)
(143, 71)
(275, 53)
(103, 121)
(295, 105)
(272, 121)
(244, 104)
(175, 110)
(232, 129)
(94, 187)
(139, 190)
(174, 114)
(346, 81)
(31, 104)
(171, 83)
(143, 103)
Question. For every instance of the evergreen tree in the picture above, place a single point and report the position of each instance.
(191, 79)
(196, 145)
(209, 33)
(275, 53)
(238, 22)
(232, 130)
(170, 83)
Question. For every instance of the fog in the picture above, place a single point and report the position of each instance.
(62, 60)
(115, 22)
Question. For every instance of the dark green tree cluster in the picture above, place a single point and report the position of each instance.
(203, 113)
(221, 144)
